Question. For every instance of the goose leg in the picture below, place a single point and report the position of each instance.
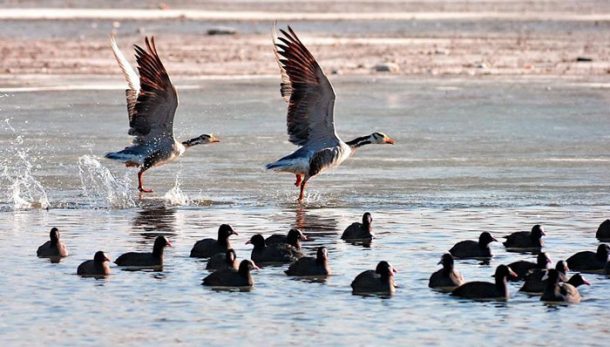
(140, 188)
(299, 179)
(301, 194)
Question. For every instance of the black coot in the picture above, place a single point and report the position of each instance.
(145, 259)
(487, 290)
(557, 291)
(533, 281)
(239, 278)
(293, 238)
(603, 232)
(98, 267)
(310, 266)
(587, 261)
(54, 247)
(359, 231)
(219, 261)
(378, 281)
(473, 249)
(446, 278)
(208, 247)
(526, 240)
(523, 267)
(279, 253)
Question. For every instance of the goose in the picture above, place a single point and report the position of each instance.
(446, 278)
(310, 119)
(98, 267)
(53, 248)
(526, 240)
(487, 290)
(378, 281)
(311, 266)
(151, 104)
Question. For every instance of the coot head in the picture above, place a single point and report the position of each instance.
(258, 241)
(295, 234)
(602, 252)
(562, 266)
(385, 269)
(54, 235)
(100, 257)
(503, 271)
(543, 260)
(447, 261)
(485, 239)
(246, 265)
(224, 231)
(322, 254)
(577, 280)
(161, 242)
(367, 219)
(537, 231)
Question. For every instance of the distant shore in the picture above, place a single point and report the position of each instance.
(442, 39)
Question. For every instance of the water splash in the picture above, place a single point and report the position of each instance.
(176, 196)
(101, 188)
(19, 185)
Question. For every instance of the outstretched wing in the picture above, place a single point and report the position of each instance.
(157, 100)
(310, 96)
(133, 81)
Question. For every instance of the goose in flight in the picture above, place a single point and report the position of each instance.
(151, 104)
(311, 123)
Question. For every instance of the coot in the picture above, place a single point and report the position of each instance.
(473, 249)
(279, 253)
(219, 261)
(145, 259)
(378, 281)
(54, 247)
(208, 247)
(98, 267)
(293, 238)
(359, 231)
(310, 266)
(587, 261)
(487, 290)
(231, 277)
(526, 240)
(446, 278)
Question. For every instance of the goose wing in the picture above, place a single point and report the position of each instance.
(133, 81)
(152, 100)
(310, 96)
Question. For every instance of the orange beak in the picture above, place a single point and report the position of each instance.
(389, 141)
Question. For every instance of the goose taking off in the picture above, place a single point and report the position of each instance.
(151, 105)
(311, 123)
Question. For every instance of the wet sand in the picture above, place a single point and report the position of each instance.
(443, 38)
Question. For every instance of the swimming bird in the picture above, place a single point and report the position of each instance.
(208, 247)
(98, 267)
(151, 104)
(145, 259)
(603, 232)
(487, 290)
(587, 261)
(278, 253)
(557, 291)
(533, 280)
(378, 281)
(219, 261)
(293, 238)
(446, 278)
(523, 267)
(310, 119)
(473, 249)
(54, 247)
(526, 240)
(359, 231)
(311, 266)
(240, 278)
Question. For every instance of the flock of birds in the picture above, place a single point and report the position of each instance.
(152, 101)
(539, 279)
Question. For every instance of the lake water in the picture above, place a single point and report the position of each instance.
(470, 156)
